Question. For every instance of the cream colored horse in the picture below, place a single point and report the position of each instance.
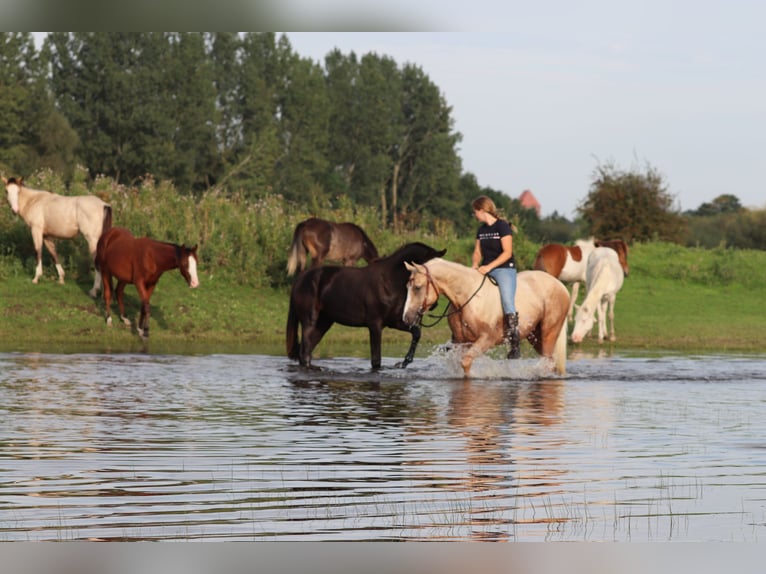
(51, 216)
(603, 279)
(477, 318)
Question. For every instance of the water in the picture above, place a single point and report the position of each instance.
(251, 447)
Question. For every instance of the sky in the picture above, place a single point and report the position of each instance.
(566, 87)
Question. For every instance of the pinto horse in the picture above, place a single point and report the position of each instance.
(346, 242)
(569, 263)
(51, 216)
(542, 302)
(140, 261)
(603, 279)
(621, 248)
(371, 296)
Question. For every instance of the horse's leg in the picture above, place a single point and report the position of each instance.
(312, 334)
(97, 279)
(51, 245)
(143, 323)
(573, 300)
(535, 338)
(601, 307)
(611, 302)
(37, 239)
(107, 280)
(375, 344)
(121, 301)
(410, 356)
(479, 347)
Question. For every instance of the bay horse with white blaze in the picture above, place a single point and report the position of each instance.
(140, 261)
(569, 263)
(541, 300)
(51, 216)
(603, 279)
(371, 296)
(345, 242)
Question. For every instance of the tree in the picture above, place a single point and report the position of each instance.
(426, 167)
(190, 101)
(33, 133)
(631, 205)
(726, 203)
(303, 113)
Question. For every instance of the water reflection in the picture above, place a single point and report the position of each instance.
(249, 447)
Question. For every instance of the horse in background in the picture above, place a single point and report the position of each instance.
(346, 242)
(620, 247)
(51, 216)
(140, 261)
(566, 263)
(371, 296)
(604, 278)
(477, 319)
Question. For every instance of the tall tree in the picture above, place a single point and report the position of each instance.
(632, 205)
(191, 103)
(251, 119)
(303, 113)
(426, 166)
(33, 133)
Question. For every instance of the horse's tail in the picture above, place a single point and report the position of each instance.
(107, 222)
(297, 258)
(291, 332)
(370, 251)
(560, 350)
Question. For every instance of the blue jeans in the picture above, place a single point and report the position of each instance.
(506, 282)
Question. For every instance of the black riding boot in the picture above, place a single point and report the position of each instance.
(511, 335)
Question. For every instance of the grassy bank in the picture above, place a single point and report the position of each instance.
(675, 299)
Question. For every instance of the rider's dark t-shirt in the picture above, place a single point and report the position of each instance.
(489, 242)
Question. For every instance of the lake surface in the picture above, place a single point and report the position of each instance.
(251, 447)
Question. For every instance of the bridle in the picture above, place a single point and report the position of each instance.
(446, 313)
(424, 306)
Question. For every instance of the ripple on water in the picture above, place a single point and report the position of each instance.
(251, 447)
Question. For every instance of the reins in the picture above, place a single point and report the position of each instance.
(447, 312)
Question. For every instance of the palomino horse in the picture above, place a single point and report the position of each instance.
(346, 242)
(51, 216)
(569, 263)
(541, 300)
(371, 296)
(140, 261)
(603, 279)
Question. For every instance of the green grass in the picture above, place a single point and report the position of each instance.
(675, 299)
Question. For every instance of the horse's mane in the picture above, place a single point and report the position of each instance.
(455, 267)
(404, 251)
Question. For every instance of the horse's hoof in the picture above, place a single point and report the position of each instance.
(125, 321)
(93, 293)
(108, 321)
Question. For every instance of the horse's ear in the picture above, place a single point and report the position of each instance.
(442, 252)
(409, 266)
(5, 181)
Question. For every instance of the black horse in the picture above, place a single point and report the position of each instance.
(372, 296)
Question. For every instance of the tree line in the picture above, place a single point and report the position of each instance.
(245, 114)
